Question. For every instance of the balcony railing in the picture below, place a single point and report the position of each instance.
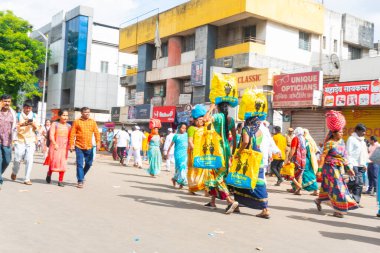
(240, 41)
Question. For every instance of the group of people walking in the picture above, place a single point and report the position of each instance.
(19, 130)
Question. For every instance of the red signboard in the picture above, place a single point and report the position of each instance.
(164, 113)
(296, 90)
(361, 93)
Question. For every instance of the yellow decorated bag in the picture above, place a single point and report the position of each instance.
(244, 171)
(287, 171)
(253, 103)
(224, 89)
(207, 152)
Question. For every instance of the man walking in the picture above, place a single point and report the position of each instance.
(373, 168)
(170, 156)
(81, 140)
(7, 125)
(278, 159)
(136, 144)
(357, 152)
(122, 143)
(25, 142)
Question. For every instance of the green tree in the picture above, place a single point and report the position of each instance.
(20, 56)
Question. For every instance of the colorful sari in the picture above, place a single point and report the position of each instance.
(258, 197)
(333, 187)
(195, 176)
(299, 157)
(154, 154)
(214, 178)
(309, 180)
(180, 156)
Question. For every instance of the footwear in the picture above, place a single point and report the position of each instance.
(297, 192)
(231, 207)
(360, 205)
(278, 183)
(291, 190)
(28, 182)
(80, 185)
(209, 205)
(338, 215)
(60, 184)
(237, 210)
(13, 177)
(318, 204)
(48, 179)
(263, 215)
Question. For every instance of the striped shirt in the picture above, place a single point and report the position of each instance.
(82, 132)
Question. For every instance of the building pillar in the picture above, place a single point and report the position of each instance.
(205, 45)
(145, 58)
(173, 86)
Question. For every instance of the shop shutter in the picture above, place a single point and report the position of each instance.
(314, 121)
(370, 117)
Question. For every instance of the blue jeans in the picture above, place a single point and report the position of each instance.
(373, 171)
(5, 159)
(86, 157)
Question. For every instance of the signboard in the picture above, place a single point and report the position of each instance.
(183, 117)
(297, 90)
(198, 73)
(252, 78)
(164, 113)
(142, 111)
(131, 112)
(184, 99)
(363, 93)
(115, 114)
(139, 98)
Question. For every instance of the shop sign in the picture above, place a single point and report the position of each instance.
(164, 113)
(184, 99)
(251, 78)
(132, 112)
(297, 90)
(363, 93)
(142, 111)
(115, 114)
(139, 98)
(198, 73)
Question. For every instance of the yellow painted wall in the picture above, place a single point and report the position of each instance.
(248, 47)
(131, 71)
(302, 14)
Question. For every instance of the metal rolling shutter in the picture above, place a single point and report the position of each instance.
(312, 120)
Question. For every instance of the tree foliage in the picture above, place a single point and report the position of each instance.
(20, 56)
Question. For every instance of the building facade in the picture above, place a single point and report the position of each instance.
(85, 63)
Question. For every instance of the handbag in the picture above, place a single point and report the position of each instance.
(207, 152)
(287, 170)
(244, 171)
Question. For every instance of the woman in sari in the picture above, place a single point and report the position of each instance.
(180, 140)
(253, 198)
(195, 176)
(215, 178)
(298, 157)
(59, 146)
(309, 179)
(154, 153)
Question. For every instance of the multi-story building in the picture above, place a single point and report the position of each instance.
(85, 63)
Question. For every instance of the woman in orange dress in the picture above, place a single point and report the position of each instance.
(59, 147)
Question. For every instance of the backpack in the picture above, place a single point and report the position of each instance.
(48, 133)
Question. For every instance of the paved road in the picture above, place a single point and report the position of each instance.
(121, 209)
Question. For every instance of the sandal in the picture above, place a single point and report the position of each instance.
(290, 190)
(338, 215)
(80, 185)
(314, 194)
(318, 204)
(209, 205)
(297, 192)
(263, 215)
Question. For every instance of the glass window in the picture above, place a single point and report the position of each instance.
(304, 41)
(164, 48)
(104, 66)
(249, 33)
(335, 46)
(354, 52)
(188, 43)
(76, 43)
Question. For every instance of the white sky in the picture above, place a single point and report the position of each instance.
(115, 12)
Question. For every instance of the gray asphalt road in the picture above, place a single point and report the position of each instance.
(122, 209)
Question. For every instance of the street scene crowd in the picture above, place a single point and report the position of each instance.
(212, 154)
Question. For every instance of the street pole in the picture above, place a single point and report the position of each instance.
(44, 85)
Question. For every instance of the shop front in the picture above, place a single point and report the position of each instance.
(358, 101)
(138, 115)
(166, 114)
(298, 98)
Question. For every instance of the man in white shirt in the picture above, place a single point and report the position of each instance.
(170, 156)
(122, 143)
(358, 158)
(268, 147)
(136, 143)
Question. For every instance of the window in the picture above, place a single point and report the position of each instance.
(54, 68)
(125, 67)
(188, 43)
(304, 41)
(104, 67)
(164, 49)
(131, 93)
(354, 53)
(65, 97)
(159, 90)
(76, 43)
(324, 42)
(249, 33)
(335, 46)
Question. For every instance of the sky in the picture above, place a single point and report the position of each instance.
(117, 12)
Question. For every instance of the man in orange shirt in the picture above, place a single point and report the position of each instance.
(278, 160)
(81, 140)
